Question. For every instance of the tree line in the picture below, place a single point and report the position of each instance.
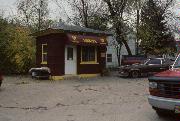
(17, 48)
(149, 20)
(152, 21)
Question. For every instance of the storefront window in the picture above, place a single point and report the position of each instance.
(44, 53)
(88, 54)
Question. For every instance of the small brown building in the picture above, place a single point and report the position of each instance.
(71, 50)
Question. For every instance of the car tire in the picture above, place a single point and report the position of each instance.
(163, 112)
(0, 83)
(160, 113)
(33, 75)
(135, 74)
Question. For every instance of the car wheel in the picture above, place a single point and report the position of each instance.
(160, 113)
(0, 82)
(163, 113)
(135, 74)
(33, 74)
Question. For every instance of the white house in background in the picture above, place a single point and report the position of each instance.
(112, 60)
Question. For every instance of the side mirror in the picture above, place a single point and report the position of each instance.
(171, 66)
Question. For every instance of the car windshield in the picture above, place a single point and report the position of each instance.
(177, 62)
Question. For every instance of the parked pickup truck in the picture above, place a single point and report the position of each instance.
(150, 66)
(164, 90)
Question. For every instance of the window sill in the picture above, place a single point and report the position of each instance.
(44, 63)
(84, 63)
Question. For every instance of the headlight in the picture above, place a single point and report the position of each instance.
(153, 85)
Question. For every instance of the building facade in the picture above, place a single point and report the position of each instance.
(112, 60)
(71, 51)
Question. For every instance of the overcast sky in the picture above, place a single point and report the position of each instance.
(9, 7)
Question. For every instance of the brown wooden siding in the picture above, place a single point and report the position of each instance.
(39, 42)
(56, 51)
(91, 68)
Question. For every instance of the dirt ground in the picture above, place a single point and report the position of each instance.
(96, 99)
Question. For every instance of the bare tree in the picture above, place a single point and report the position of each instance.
(33, 12)
(83, 11)
(117, 10)
(25, 8)
(136, 7)
(138, 3)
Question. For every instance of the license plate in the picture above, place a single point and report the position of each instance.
(177, 109)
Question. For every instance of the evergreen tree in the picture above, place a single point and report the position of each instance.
(154, 33)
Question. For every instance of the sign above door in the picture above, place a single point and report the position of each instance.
(87, 40)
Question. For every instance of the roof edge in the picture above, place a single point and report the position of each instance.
(47, 32)
(54, 30)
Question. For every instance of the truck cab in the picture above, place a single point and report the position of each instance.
(164, 90)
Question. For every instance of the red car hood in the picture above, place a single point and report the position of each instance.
(169, 73)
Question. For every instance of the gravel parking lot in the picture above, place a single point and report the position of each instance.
(96, 99)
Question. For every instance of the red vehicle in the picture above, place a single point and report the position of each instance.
(164, 90)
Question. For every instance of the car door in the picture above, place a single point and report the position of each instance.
(154, 65)
(144, 67)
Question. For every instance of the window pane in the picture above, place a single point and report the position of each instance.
(84, 54)
(44, 52)
(92, 54)
(69, 53)
(44, 48)
(44, 57)
(177, 62)
(109, 57)
(155, 61)
(88, 54)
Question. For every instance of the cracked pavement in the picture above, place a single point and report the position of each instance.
(96, 99)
